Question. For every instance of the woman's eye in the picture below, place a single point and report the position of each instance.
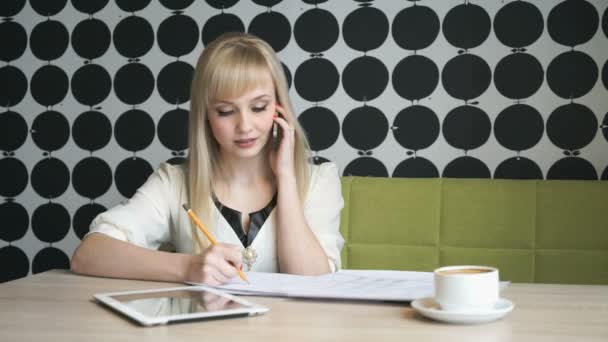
(259, 109)
(224, 112)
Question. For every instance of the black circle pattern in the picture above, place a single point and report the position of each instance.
(365, 29)
(180, 26)
(130, 174)
(316, 30)
(365, 78)
(221, 23)
(50, 258)
(133, 37)
(415, 77)
(365, 128)
(14, 41)
(466, 76)
(322, 127)
(48, 8)
(518, 76)
(14, 177)
(15, 263)
(92, 177)
(50, 222)
(134, 130)
(572, 74)
(50, 130)
(466, 127)
(84, 216)
(172, 129)
(133, 83)
(13, 86)
(519, 127)
(415, 27)
(174, 82)
(91, 84)
(92, 131)
(13, 131)
(416, 128)
(273, 27)
(316, 79)
(91, 38)
(466, 26)
(529, 25)
(50, 178)
(572, 22)
(16, 221)
(489, 94)
(49, 85)
(49, 40)
(11, 8)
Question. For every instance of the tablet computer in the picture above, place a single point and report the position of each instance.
(178, 304)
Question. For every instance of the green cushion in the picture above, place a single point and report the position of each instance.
(572, 267)
(572, 214)
(533, 231)
(498, 214)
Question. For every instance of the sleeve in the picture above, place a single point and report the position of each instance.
(322, 211)
(144, 219)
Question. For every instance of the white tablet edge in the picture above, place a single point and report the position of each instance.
(250, 310)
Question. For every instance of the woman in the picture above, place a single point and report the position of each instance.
(248, 192)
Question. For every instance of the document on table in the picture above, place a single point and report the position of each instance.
(344, 284)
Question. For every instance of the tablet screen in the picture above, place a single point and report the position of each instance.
(181, 302)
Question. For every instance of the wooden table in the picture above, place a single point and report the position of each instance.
(58, 306)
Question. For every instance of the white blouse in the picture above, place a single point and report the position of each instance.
(154, 216)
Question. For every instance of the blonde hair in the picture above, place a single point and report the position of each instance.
(229, 66)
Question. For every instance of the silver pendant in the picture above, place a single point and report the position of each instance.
(249, 257)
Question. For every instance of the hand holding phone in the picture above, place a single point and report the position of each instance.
(277, 134)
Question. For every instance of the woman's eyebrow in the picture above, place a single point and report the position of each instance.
(259, 97)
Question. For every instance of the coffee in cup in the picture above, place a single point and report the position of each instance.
(464, 271)
(466, 288)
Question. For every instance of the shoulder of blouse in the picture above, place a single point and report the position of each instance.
(173, 174)
(323, 177)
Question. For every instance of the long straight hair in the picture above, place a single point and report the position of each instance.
(228, 67)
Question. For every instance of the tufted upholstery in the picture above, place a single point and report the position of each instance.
(535, 231)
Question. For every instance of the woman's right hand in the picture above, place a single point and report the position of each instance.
(216, 265)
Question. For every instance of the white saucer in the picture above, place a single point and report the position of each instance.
(429, 308)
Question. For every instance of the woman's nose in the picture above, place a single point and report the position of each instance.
(244, 121)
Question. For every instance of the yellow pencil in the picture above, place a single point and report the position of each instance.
(207, 233)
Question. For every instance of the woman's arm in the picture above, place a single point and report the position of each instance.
(101, 255)
(126, 239)
(299, 251)
(298, 247)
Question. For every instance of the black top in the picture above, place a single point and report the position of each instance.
(256, 219)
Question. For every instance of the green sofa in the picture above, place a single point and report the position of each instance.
(533, 231)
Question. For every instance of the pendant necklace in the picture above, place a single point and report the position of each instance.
(249, 257)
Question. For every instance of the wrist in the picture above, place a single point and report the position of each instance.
(287, 182)
(182, 268)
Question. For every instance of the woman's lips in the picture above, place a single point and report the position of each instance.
(245, 143)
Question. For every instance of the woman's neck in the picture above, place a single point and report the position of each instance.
(244, 171)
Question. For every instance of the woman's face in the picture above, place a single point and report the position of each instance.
(241, 125)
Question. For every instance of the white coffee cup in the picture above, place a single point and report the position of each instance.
(466, 288)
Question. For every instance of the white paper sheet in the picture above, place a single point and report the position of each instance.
(345, 284)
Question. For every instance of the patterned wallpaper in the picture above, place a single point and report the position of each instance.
(94, 95)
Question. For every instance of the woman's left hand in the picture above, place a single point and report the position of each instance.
(282, 159)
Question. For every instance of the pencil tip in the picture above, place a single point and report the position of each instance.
(185, 207)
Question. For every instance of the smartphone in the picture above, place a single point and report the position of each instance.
(277, 134)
